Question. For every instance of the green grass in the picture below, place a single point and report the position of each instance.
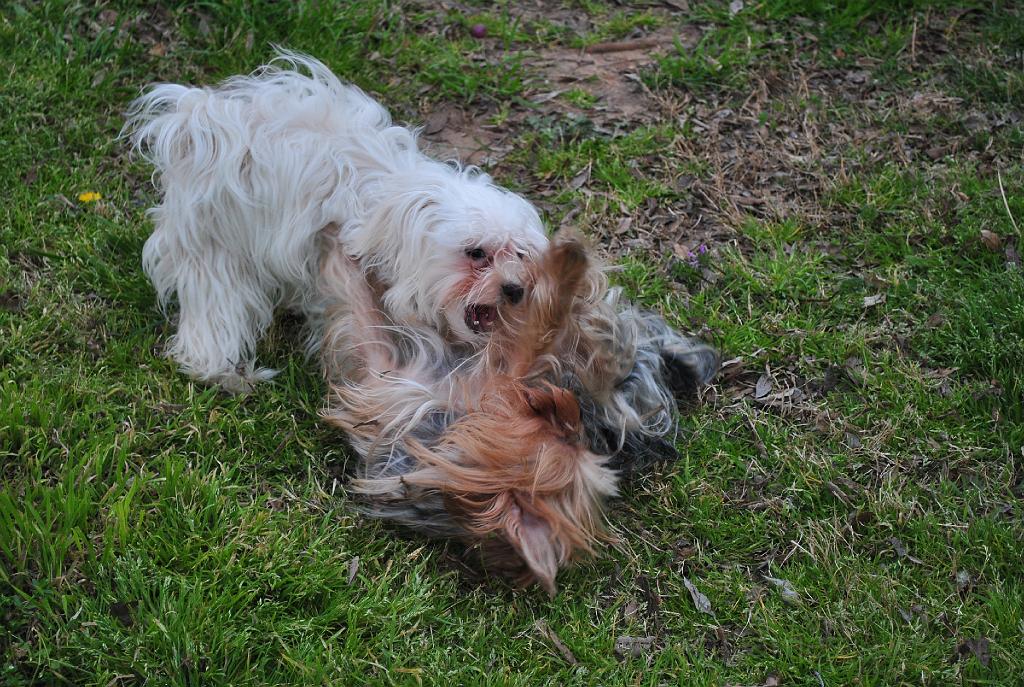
(859, 34)
(560, 150)
(153, 531)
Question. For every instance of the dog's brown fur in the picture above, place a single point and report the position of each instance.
(510, 467)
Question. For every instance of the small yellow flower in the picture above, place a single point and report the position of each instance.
(89, 197)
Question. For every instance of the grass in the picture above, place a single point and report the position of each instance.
(565, 150)
(153, 531)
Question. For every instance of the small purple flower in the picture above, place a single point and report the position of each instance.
(703, 249)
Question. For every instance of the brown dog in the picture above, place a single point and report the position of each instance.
(495, 450)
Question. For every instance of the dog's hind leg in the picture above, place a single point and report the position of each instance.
(223, 310)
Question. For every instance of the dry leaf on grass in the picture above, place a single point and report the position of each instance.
(871, 301)
(855, 370)
(702, 602)
(979, 646)
(991, 240)
(435, 122)
(681, 5)
(633, 647)
(580, 179)
(901, 550)
(785, 587)
(547, 633)
(763, 387)
(770, 681)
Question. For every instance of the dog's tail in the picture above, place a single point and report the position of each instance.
(194, 133)
(156, 121)
(209, 131)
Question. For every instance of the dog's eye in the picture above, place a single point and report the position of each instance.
(476, 253)
(520, 254)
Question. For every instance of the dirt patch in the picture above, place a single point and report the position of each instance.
(773, 150)
(610, 77)
(454, 133)
(610, 73)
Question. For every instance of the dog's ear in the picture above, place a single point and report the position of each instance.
(567, 262)
(559, 277)
(533, 540)
(554, 404)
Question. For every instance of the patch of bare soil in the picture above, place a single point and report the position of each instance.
(608, 72)
(772, 151)
(453, 133)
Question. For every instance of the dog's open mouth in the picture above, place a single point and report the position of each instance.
(481, 318)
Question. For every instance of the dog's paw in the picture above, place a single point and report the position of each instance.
(243, 378)
(689, 366)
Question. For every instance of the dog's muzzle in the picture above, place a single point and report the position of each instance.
(512, 292)
(481, 318)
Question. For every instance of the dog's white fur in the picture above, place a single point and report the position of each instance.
(253, 170)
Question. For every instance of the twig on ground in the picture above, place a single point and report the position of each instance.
(622, 46)
(913, 43)
(545, 630)
(999, 178)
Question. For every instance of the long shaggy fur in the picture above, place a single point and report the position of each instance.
(627, 368)
(256, 172)
(510, 450)
(472, 452)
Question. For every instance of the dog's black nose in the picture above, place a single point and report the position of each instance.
(513, 292)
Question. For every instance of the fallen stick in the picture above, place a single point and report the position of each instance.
(622, 46)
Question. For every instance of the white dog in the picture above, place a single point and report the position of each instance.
(252, 173)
